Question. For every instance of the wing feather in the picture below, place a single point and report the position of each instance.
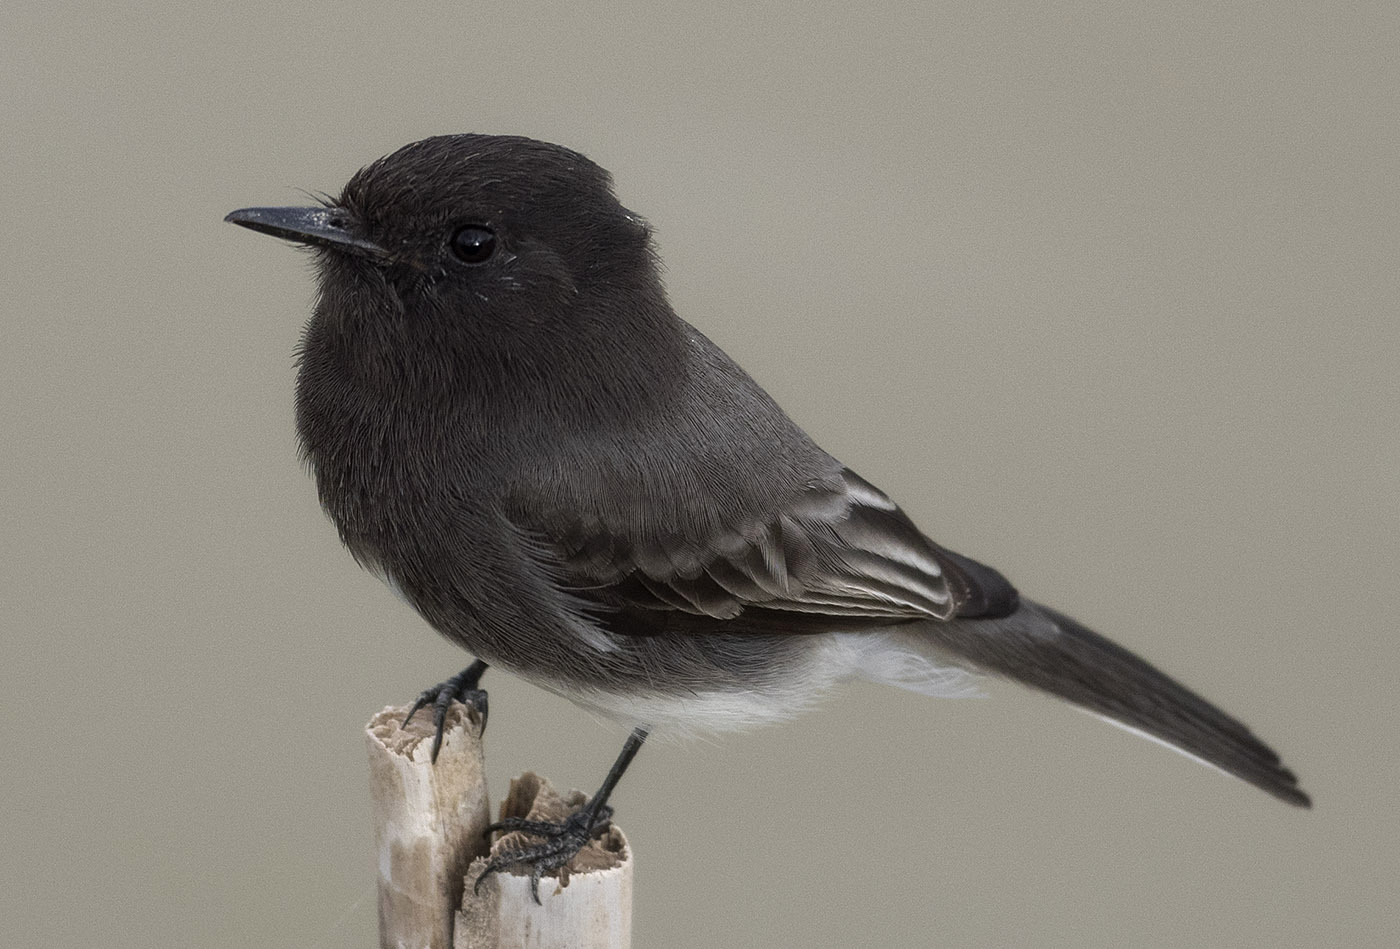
(842, 550)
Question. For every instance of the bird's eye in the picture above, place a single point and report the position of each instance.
(473, 244)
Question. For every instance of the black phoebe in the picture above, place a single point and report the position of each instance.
(512, 428)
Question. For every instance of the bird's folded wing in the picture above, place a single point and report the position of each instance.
(840, 552)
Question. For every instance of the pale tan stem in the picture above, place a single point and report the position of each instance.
(429, 822)
(430, 836)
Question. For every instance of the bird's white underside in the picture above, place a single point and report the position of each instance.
(887, 657)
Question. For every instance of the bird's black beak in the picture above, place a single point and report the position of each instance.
(320, 227)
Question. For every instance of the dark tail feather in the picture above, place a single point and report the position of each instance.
(1049, 651)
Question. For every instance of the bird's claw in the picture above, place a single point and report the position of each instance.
(463, 688)
(562, 840)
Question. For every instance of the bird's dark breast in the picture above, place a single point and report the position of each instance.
(392, 472)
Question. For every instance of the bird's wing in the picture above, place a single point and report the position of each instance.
(842, 553)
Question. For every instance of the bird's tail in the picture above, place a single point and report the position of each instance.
(1047, 650)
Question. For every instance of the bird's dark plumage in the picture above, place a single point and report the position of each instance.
(511, 426)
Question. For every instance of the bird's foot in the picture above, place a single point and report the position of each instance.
(463, 688)
(562, 840)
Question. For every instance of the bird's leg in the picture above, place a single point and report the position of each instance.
(564, 839)
(463, 688)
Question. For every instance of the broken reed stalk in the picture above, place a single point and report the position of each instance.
(430, 827)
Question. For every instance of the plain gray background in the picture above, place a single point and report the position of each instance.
(1104, 294)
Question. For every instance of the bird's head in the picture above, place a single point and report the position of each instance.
(473, 223)
(460, 250)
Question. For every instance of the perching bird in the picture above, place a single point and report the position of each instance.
(510, 425)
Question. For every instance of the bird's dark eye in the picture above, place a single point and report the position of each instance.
(473, 244)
